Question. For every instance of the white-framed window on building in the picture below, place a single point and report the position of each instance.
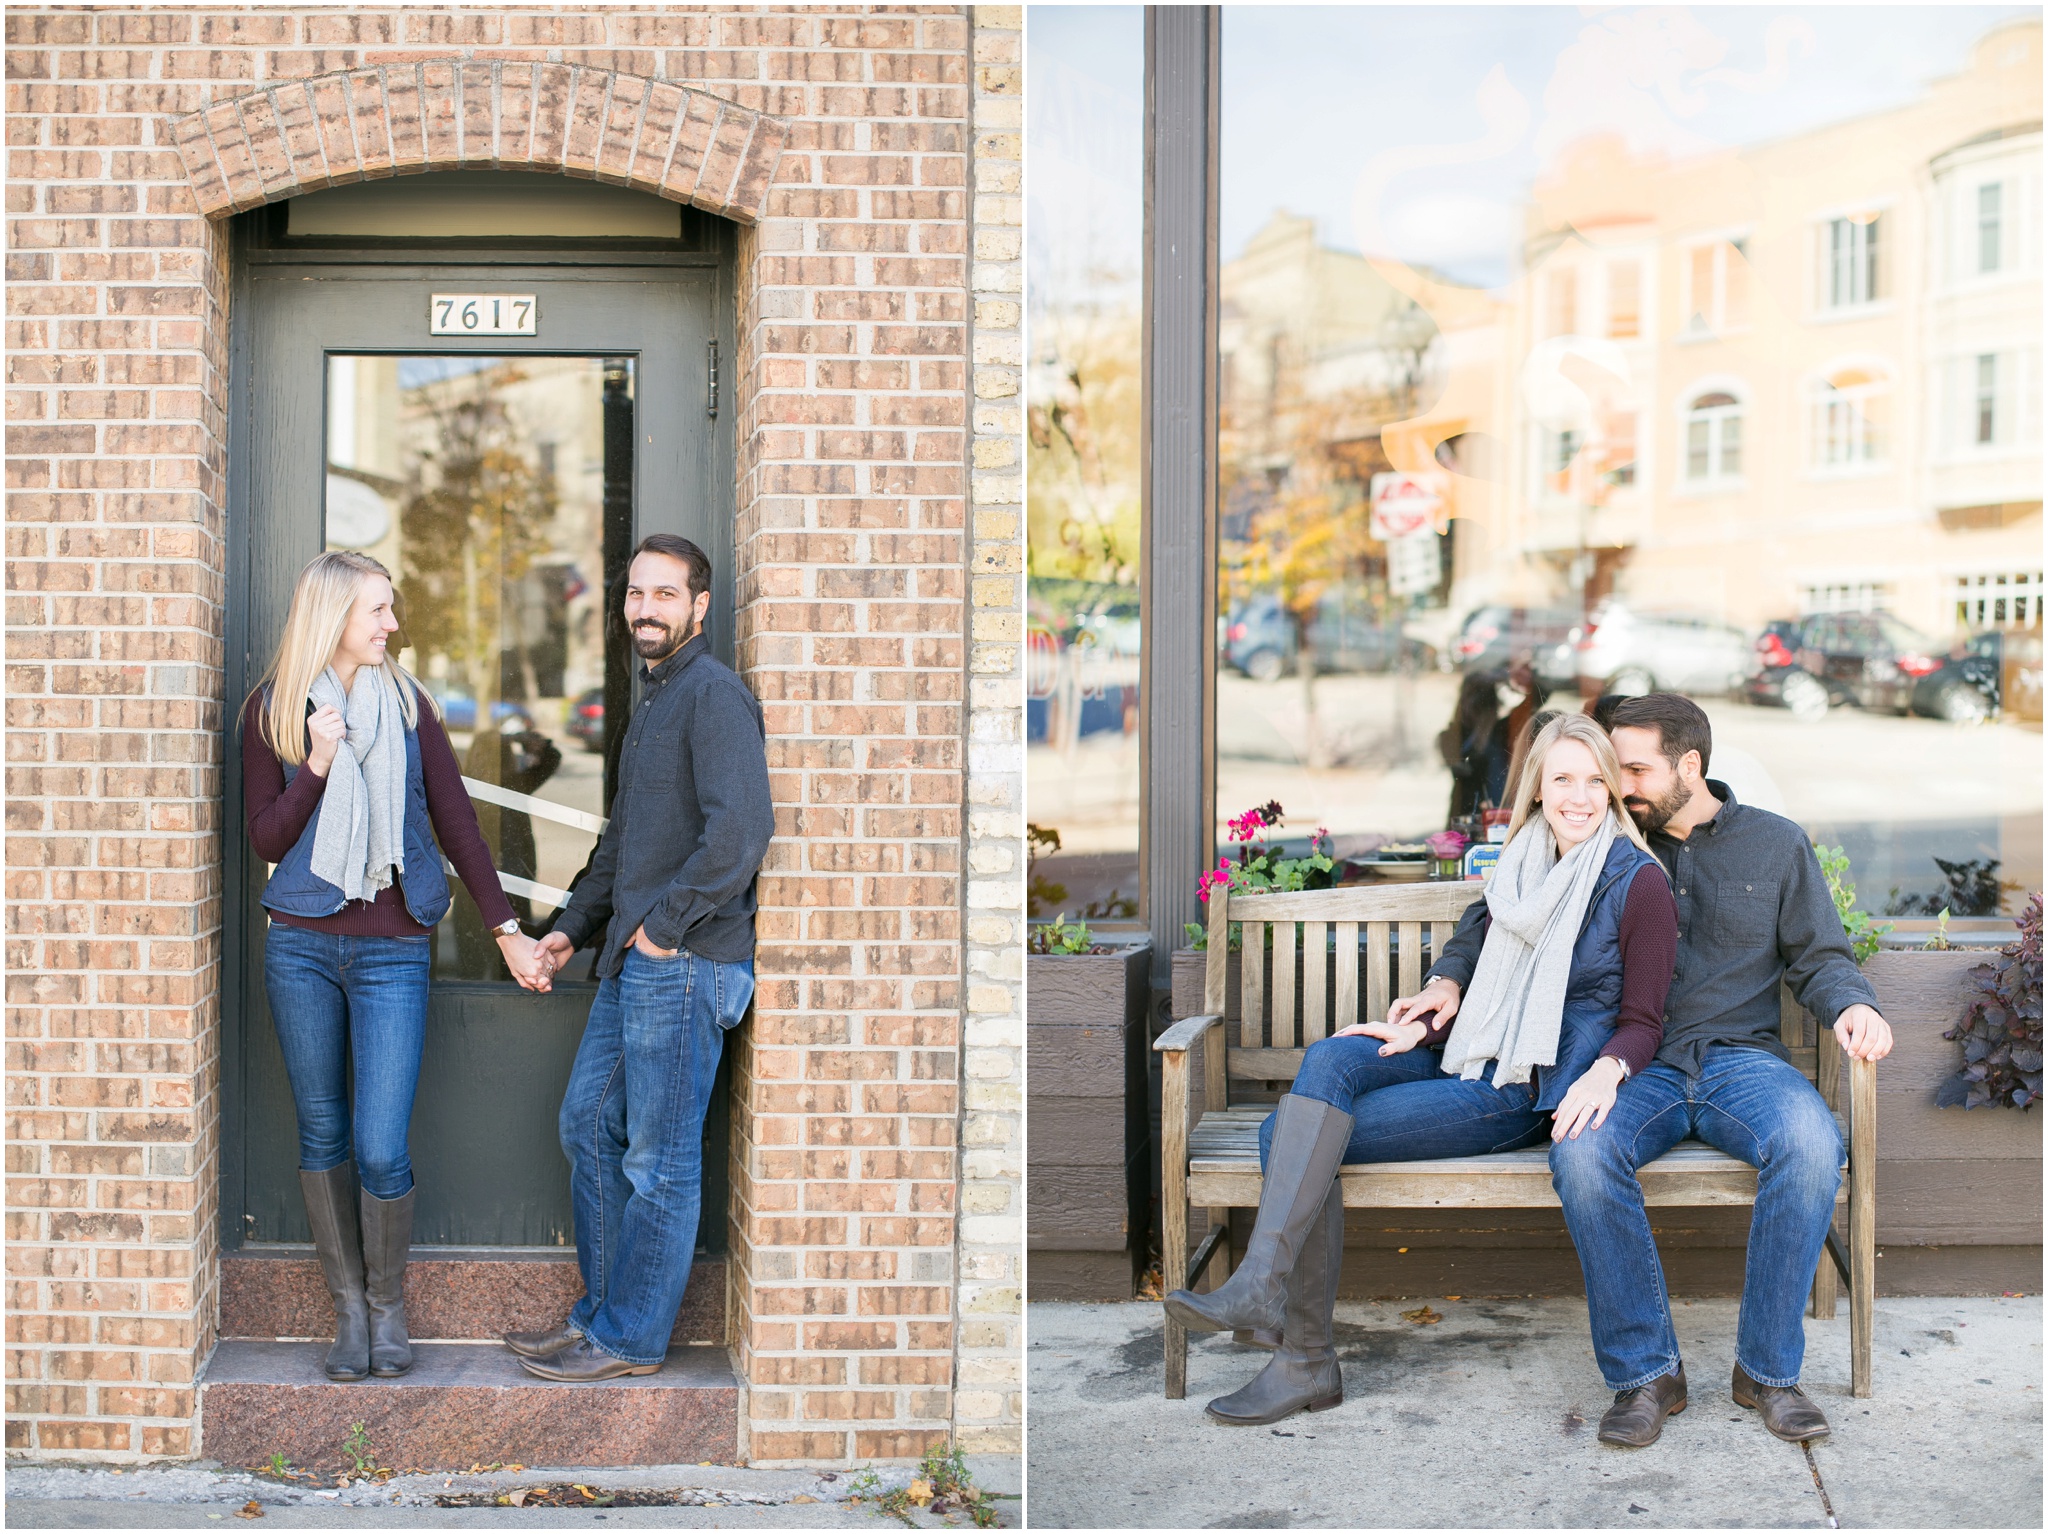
(1555, 449)
(1984, 400)
(1850, 416)
(1852, 257)
(1713, 439)
(1999, 599)
(1991, 403)
(1624, 300)
(1715, 278)
(1990, 227)
(1844, 596)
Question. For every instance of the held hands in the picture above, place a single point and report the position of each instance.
(1865, 1035)
(1400, 1037)
(1589, 1101)
(326, 728)
(532, 964)
(640, 942)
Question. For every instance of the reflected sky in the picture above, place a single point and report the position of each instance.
(1429, 123)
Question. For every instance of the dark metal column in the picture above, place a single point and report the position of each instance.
(1179, 457)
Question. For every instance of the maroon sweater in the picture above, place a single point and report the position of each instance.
(278, 816)
(1649, 950)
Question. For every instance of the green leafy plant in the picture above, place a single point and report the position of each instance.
(1864, 931)
(943, 1484)
(359, 1450)
(1040, 893)
(277, 1464)
(2001, 1030)
(1937, 940)
(1062, 936)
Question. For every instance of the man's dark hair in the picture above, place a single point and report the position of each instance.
(680, 548)
(1601, 709)
(1680, 723)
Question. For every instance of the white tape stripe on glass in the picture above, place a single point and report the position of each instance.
(514, 885)
(490, 793)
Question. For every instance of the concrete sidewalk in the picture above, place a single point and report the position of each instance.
(208, 1496)
(1486, 1420)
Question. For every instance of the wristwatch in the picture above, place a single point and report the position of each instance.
(506, 928)
(1625, 1072)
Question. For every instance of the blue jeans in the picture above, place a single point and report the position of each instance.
(632, 1127)
(1753, 1106)
(1404, 1108)
(335, 999)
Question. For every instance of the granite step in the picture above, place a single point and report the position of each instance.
(463, 1404)
(271, 1292)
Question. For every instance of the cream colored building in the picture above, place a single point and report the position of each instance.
(1799, 377)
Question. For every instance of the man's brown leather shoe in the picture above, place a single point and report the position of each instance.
(1785, 1409)
(541, 1344)
(1637, 1416)
(580, 1363)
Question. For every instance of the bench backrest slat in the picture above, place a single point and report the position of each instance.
(1315, 960)
(1253, 1033)
(1378, 989)
(1282, 1029)
(1347, 975)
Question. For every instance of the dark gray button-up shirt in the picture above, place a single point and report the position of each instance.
(1753, 912)
(691, 820)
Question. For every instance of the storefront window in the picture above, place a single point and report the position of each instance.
(1086, 104)
(1640, 349)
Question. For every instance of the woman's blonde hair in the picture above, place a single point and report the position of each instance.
(1529, 789)
(322, 599)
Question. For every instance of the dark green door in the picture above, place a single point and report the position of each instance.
(502, 478)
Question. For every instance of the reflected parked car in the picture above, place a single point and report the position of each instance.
(585, 723)
(1775, 679)
(1874, 660)
(1624, 651)
(458, 709)
(1500, 638)
(1970, 683)
(1346, 635)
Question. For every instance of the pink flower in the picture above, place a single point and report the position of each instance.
(1220, 874)
(1448, 844)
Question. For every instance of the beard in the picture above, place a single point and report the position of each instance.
(654, 640)
(1653, 815)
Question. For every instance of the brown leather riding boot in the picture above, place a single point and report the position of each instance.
(1785, 1408)
(1637, 1416)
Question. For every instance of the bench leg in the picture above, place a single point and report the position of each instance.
(1173, 1263)
(1862, 1223)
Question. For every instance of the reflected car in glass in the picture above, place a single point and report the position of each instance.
(458, 709)
(1346, 634)
(1500, 638)
(585, 723)
(1775, 679)
(1632, 653)
(1878, 661)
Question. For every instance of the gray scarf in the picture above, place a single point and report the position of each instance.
(1514, 1009)
(359, 840)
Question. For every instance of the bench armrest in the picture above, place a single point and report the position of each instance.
(1182, 1035)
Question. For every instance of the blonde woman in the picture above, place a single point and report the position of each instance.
(348, 783)
(1567, 1002)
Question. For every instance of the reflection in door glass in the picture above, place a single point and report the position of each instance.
(498, 490)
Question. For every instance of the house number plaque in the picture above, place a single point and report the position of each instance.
(483, 314)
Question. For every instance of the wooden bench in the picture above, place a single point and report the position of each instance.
(1210, 1158)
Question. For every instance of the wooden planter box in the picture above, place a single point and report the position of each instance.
(1088, 1148)
(1959, 1192)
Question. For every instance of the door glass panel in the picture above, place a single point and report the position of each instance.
(498, 492)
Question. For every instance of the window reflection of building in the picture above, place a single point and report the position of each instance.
(1738, 388)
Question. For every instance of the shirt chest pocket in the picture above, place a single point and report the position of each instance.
(657, 759)
(1746, 911)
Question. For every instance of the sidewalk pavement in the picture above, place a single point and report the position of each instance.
(204, 1495)
(1486, 1419)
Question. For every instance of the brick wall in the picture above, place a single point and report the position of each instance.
(989, 1412)
(853, 396)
